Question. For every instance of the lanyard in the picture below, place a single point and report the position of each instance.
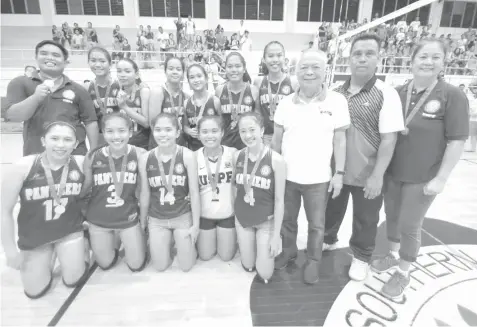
(419, 104)
(118, 184)
(213, 180)
(174, 107)
(248, 186)
(201, 110)
(272, 98)
(234, 109)
(102, 105)
(51, 183)
(167, 183)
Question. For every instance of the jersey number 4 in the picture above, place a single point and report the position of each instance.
(50, 205)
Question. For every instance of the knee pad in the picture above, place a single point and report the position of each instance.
(42, 293)
(113, 263)
(83, 277)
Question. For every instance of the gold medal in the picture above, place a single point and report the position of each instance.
(247, 184)
(235, 108)
(55, 193)
(214, 179)
(408, 116)
(170, 198)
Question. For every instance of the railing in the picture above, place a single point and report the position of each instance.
(18, 58)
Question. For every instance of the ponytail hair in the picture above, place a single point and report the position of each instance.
(246, 76)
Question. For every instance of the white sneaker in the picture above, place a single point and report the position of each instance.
(358, 270)
(330, 247)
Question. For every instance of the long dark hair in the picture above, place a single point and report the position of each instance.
(264, 67)
(135, 67)
(246, 77)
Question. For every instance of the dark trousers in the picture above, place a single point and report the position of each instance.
(315, 197)
(365, 220)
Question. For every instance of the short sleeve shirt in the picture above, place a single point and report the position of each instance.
(443, 117)
(375, 110)
(308, 131)
(70, 102)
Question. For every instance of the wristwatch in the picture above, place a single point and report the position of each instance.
(340, 172)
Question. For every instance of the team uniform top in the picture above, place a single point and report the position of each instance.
(286, 88)
(263, 187)
(222, 208)
(191, 114)
(231, 134)
(180, 184)
(110, 99)
(38, 223)
(140, 135)
(102, 209)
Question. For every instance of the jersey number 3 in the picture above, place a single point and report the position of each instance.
(112, 200)
(50, 205)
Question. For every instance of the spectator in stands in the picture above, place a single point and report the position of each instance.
(77, 43)
(246, 42)
(161, 38)
(91, 36)
(180, 27)
(241, 31)
(57, 34)
(234, 42)
(126, 47)
(68, 34)
(210, 40)
(190, 31)
(51, 96)
(140, 32)
(117, 49)
(415, 24)
(462, 43)
(76, 27)
(118, 34)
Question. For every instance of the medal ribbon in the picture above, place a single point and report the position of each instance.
(213, 180)
(234, 109)
(419, 103)
(174, 107)
(246, 185)
(201, 110)
(165, 182)
(272, 98)
(51, 183)
(118, 184)
(102, 105)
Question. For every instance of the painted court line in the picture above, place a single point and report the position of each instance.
(62, 310)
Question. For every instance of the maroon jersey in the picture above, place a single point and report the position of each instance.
(140, 135)
(38, 223)
(110, 100)
(231, 132)
(263, 186)
(180, 184)
(103, 209)
(192, 115)
(171, 105)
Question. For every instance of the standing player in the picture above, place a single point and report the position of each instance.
(237, 96)
(133, 99)
(103, 90)
(273, 86)
(199, 105)
(49, 221)
(173, 199)
(170, 98)
(112, 171)
(215, 163)
(48, 97)
(259, 202)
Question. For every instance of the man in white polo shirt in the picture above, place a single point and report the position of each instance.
(310, 126)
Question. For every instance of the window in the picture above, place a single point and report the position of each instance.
(461, 14)
(89, 7)
(172, 8)
(21, 7)
(385, 7)
(327, 10)
(252, 9)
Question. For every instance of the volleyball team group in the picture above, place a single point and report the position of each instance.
(191, 176)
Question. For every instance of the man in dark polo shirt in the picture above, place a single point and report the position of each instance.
(49, 97)
(376, 116)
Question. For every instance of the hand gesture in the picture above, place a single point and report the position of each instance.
(122, 97)
(193, 233)
(42, 91)
(336, 185)
(194, 133)
(275, 245)
(373, 187)
(434, 186)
